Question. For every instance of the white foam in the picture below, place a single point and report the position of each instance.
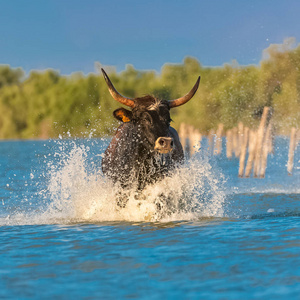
(79, 193)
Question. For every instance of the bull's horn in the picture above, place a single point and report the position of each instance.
(186, 98)
(115, 94)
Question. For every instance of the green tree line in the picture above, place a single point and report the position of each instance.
(47, 104)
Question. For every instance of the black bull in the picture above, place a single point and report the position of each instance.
(145, 147)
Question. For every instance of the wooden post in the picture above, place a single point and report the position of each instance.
(240, 136)
(235, 141)
(219, 134)
(266, 149)
(229, 143)
(290, 163)
(243, 151)
(211, 136)
(252, 147)
(195, 140)
(259, 143)
(199, 140)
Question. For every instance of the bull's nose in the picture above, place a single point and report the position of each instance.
(164, 144)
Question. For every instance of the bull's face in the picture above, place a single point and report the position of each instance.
(151, 119)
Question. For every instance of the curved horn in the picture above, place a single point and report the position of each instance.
(115, 94)
(186, 98)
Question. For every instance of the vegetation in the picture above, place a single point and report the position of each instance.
(46, 104)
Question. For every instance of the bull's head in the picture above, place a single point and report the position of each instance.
(151, 116)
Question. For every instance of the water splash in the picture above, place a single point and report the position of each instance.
(78, 192)
(193, 191)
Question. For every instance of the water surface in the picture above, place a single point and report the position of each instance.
(63, 236)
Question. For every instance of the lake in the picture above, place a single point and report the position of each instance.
(62, 235)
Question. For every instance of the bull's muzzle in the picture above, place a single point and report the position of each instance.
(164, 145)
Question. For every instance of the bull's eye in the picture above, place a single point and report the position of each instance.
(161, 142)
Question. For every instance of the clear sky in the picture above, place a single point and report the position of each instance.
(71, 35)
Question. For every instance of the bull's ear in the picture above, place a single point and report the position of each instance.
(123, 115)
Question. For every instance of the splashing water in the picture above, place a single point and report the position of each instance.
(79, 195)
(76, 191)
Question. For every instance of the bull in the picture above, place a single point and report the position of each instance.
(145, 148)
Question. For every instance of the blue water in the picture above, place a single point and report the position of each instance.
(61, 235)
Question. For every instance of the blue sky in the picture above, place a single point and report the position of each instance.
(70, 36)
